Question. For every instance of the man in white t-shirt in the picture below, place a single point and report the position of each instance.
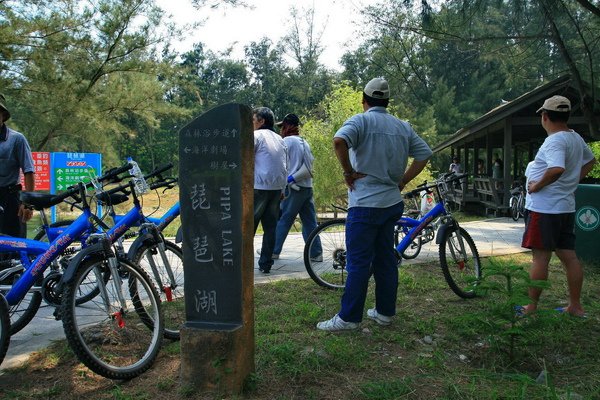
(270, 178)
(552, 178)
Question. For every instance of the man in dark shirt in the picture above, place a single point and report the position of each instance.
(15, 156)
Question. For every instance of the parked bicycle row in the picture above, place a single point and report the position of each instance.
(115, 305)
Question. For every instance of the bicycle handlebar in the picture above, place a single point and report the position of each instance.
(445, 177)
(169, 183)
(124, 188)
(452, 176)
(72, 191)
(113, 174)
(159, 171)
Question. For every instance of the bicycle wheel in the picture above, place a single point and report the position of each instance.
(23, 312)
(50, 296)
(171, 296)
(462, 269)
(117, 341)
(522, 205)
(330, 269)
(413, 249)
(514, 208)
(4, 328)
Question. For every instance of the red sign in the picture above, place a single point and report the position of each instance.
(41, 166)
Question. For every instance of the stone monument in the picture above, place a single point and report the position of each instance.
(216, 181)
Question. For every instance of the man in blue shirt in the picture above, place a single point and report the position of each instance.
(373, 150)
(15, 156)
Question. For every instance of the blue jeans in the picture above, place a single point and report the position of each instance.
(370, 249)
(266, 211)
(298, 202)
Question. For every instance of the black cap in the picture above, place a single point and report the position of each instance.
(290, 119)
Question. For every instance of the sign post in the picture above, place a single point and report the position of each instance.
(216, 153)
(67, 169)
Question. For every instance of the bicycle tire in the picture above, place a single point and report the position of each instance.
(115, 344)
(4, 328)
(173, 303)
(514, 208)
(461, 271)
(22, 313)
(413, 249)
(331, 271)
(522, 205)
(41, 236)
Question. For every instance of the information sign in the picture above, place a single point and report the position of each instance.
(70, 168)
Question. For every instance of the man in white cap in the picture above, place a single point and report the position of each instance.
(15, 156)
(560, 163)
(299, 194)
(373, 149)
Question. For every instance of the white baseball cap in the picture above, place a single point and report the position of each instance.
(555, 103)
(377, 88)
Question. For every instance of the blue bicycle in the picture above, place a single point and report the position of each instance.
(161, 259)
(117, 333)
(459, 258)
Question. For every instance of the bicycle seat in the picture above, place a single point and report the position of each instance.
(515, 191)
(39, 201)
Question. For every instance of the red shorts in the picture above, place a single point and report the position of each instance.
(549, 231)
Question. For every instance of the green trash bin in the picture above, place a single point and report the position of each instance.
(587, 222)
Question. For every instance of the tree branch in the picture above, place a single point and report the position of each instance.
(590, 7)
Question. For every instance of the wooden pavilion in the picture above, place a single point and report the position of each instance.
(513, 132)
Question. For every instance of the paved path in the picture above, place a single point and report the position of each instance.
(497, 236)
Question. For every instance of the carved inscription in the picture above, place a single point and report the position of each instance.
(211, 200)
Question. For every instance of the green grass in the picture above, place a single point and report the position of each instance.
(438, 347)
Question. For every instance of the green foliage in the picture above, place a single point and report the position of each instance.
(329, 186)
(595, 173)
(456, 60)
(508, 283)
(336, 108)
(81, 76)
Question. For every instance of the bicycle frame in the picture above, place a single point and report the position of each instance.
(34, 270)
(161, 223)
(417, 225)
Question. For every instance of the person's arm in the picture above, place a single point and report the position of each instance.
(341, 151)
(413, 170)
(550, 176)
(587, 167)
(29, 181)
(25, 213)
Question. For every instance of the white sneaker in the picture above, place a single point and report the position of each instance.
(380, 319)
(274, 256)
(336, 324)
(318, 258)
